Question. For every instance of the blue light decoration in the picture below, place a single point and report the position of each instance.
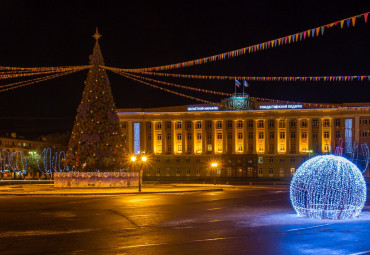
(328, 187)
(136, 138)
(49, 163)
(15, 162)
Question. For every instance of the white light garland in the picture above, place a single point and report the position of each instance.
(328, 187)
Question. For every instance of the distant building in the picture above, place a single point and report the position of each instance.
(260, 140)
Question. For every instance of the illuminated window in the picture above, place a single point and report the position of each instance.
(189, 136)
(292, 135)
(159, 137)
(240, 148)
(219, 136)
(240, 124)
(260, 160)
(199, 125)
(229, 124)
(271, 123)
(304, 123)
(326, 135)
(326, 147)
(168, 125)
(219, 148)
(326, 123)
(282, 135)
(260, 124)
(304, 135)
(337, 122)
(250, 123)
(158, 125)
(250, 135)
(271, 171)
(260, 135)
(315, 123)
(209, 136)
(199, 148)
(178, 125)
(292, 123)
(188, 125)
(281, 123)
(292, 171)
(219, 124)
(179, 137)
(179, 148)
(199, 136)
(240, 136)
(209, 147)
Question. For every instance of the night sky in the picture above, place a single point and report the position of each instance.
(150, 33)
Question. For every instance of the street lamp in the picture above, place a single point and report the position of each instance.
(309, 153)
(214, 165)
(144, 159)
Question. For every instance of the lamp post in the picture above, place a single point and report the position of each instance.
(143, 161)
(214, 165)
(309, 153)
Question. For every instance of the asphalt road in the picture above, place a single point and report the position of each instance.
(239, 221)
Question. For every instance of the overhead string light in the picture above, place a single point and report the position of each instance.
(327, 78)
(130, 76)
(7, 69)
(15, 85)
(293, 38)
(256, 99)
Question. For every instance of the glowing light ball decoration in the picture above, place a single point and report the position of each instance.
(328, 187)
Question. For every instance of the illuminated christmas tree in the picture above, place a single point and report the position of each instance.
(96, 142)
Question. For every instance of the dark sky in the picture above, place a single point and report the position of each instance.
(150, 33)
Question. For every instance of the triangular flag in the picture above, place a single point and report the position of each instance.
(353, 21)
(348, 22)
(365, 16)
(279, 40)
(289, 38)
(313, 32)
(308, 33)
(322, 30)
(317, 31)
(341, 23)
(296, 37)
(300, 36)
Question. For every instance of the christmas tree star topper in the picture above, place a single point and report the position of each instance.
(97, 35)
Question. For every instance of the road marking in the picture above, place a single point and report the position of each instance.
(309, 227)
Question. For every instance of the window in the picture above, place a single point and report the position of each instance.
(292, 159)
(260, 171)
(158, 171)
(292, 123)
(219, 136)
(199, 136)
(304, 123)
(292, 171)
(260, 135)
(188, 171)
(219, 148)
(177, 160)
(314, 135)
(260, 160)
(364, 121)
(250, 123)
(292, 148)
(179, 148)
(179, 137)
(271, 147)
(229, 124)
(282, 135)
(326, 123)
(271, 159)
(188, 125)
(271, 171)
(177, 171)
(304, 135)
(250, 147)
(149, 125)
(189, 136)
(240, 147)
(169, 148)
(326, 135)
(240, 124)
(199, 125)
(209, 124)
(337, 122)
(219, 124)
(168, 170)
(229, 136)
(168, 125)
(292, 135)
(190, 148)
(260, 124)
(124, 125)
(250, 135)
(158, 125)
(337, 135)
(198, 160)
(281, 160)
(272, 135)
(315, 123)
(240, 136)
(149, 137)
(271, 123)
(209, 147)
(281, 123)
(326, 147)
(197, 171)
(159, 137)
(209, 136)
(178, 125)
(168, 137)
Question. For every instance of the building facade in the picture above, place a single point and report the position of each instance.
(269, 141)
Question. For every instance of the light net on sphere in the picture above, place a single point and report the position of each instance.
(328, 187)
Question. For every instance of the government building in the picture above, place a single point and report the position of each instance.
(242, 138)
